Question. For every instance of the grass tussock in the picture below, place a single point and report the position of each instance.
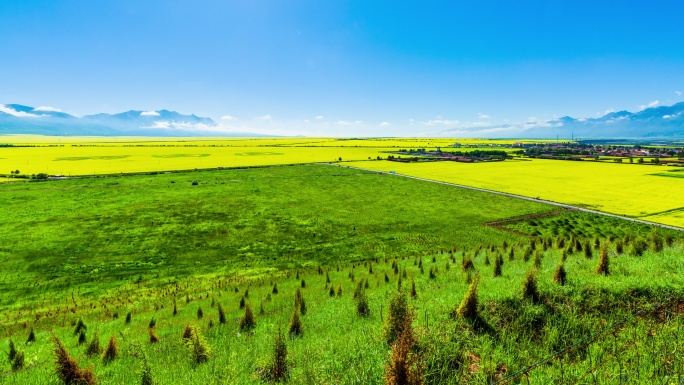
(468, 307)
(111, 352)
(68, 370)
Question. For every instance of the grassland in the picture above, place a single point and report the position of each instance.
(97, 249)
(638, 191)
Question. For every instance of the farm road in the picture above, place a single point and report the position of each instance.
(552, 203)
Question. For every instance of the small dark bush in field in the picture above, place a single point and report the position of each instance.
(332, 291)
(295, 324)
(619, 247)
(433, 273)
(498, 263)
(398, 283)
(200, 313)
(221, 315)
(604, 262)
(467, 263)
(18, 361)
(597, 243)
(128, 318)
(386, 278)
(200, 351)
(538, 257)
(277, 370)
(560, 242)
(246, 293)
(175, 310)
(560, 275)
(146, 371)
(656, 241)
(362, 308)
(414, 293)
(187, 332)
(303, 283)
(486, 261)
(31, 337)
(153, 336)
(511, 255)
(396, 317)
(81, 337)
(669, 239)
(529, 289)
(68, 370)
(247, 322)
(405, 366)
(299, 301)
(468, 307)
(370, 268)
(12, 351)
(339, 290)
(80, 326)
(275, 288)
(587, 251)
(327, 278)
(639, 246)
(94, 346)
(242, 303)
(153, 323)
(111, 352)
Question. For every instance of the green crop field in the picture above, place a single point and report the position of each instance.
(143, 259)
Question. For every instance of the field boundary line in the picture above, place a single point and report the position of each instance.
(552, 203)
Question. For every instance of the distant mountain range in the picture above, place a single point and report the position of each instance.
(19, 119)
(655, 122)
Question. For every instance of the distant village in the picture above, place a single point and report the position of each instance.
(470, 153)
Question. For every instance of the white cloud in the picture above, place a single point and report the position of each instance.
(671, 116)
(440, 121)
(13, 112)
(649, 105)
(149, 113)
(319, 117)
(228, 117)
(265, 117)
(384, 124)
(160, 124)
(483, 116)
(679, 93)
(48, 109)
(344, 123)
(609, 111)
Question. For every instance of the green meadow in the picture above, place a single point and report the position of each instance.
(194, 275)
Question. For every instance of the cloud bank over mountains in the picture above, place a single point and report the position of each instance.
(651, 121)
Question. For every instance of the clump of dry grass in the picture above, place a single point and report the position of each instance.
(68, 369)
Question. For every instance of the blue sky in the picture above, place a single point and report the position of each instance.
(343, 67)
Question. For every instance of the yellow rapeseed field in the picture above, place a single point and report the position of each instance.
(625, 189)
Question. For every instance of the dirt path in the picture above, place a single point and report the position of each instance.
(562, 205)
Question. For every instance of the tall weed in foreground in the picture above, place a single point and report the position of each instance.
(68, 369)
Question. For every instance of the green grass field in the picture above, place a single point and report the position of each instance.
(98, 249)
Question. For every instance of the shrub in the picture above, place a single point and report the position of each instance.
(12, 351)
(396, 317)
(80, 326)
(200, 351)
(619, 247)
(362, 308)
(386, 278)
(68, 370)
(587, 251)
(511, 255)
(529, 289)
(339, 290)
(242, 303)
(639, 246)
(275, 288)
(299, 302)
(82, 338)
(414, 293)
(18, 361)
(175, 310)
(295, 324)
(152, 324)
(433, 272)
(200, 313)
(498, 263)
(146, 371)
(303, 283)
(405, 366)
(247, 322)
(327, 278)
(111, 351)
(604, 262)
(221, 315)
(31, 337)
(467, 263)
(486, 261)
(187, 332)
(153, 336)
(332, 291)
(94, 348)
(560, 276)
(278, 370)
(468, 307)
(128, 318)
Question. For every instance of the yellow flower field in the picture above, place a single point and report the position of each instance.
(624, 189)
